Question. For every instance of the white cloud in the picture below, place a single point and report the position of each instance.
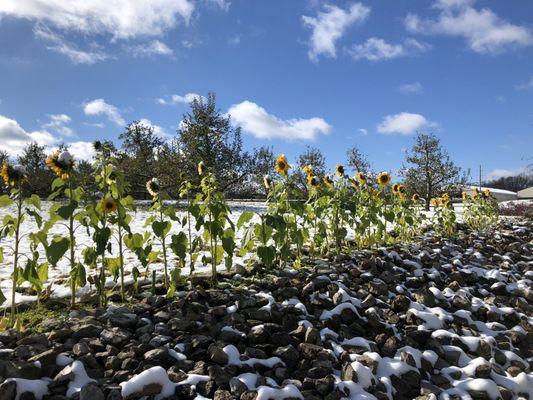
(100, 107)
(259, 123)
(122, 19)
(176, 98)
(330, 25)
(483, 30)
(234, 40)
(58, 44)
(403, 123)
(501, 173)
(376, 49)
(525, 85)
(58, 123)
(82, 150)
(411, 88)
(363, 131)
(158, 130)
(222, 4)
(14, 138)
(155, 47)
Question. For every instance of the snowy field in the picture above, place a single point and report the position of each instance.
(58, 276)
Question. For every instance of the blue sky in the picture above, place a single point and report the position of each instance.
(291, 73)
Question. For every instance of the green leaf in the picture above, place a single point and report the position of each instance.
(161, 228)
(56, 249)
(179, 244)
(266, 254)
(134, 241)
(2, 298)
(34, 200)
(1, 255)
(114, 266)
(5, 201)
(67, 210)
(244, 218)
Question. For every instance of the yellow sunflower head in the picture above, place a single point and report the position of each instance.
(328, 181)
(415, 197)
(267, 182)
(282, 166)
(109, 205)
(383, 178)
(361, 178)
(401, 189)
(395, 188)
(354, 182)
(433, 202)
(376, 193)
(486, 193)
(61, 163)
(201, 168)
(152, 186)
(339, 170)
(13, 174)
(464, 195)
(308, 169)
(313, 181)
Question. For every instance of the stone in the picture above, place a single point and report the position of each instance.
(91, 392)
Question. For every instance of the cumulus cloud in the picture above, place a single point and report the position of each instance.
(502, 173)
(100, 107)
(122, 19)
(158, 130)
(176, 98)
(484, 31)
(14, 138)
(256, 121)
(403, 123)
(376, 49)
(58, 123)
(330, 25)
(153, 48)
(411, 88)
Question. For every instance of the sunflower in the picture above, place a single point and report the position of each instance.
(361, 178)
(282, 166)
(201, 168)
(153, 187)
(109, 205)
(267, 182)
(464, 195)
(339, 170)
(475, 193)
(308, 169)
(13, 175)
(61, 163)
(328, 181)
(433, 202)
(444, 202)
(395, 188)
(415, 197)
(376, 193)
(313, 181)
(383, 178)
(354, 182)
(486, 193)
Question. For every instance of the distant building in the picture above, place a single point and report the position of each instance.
(526, 193)
(498, 194)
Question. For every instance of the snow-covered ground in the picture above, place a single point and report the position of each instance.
(58, 276)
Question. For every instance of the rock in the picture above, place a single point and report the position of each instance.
(150, 389)
(91, 392)
(217, 354)
(8, 390)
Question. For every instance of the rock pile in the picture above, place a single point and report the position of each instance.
(447, 319)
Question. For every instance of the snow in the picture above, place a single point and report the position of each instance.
(39, 387)
(80, 378)
(268, 393)
(152, 375)
(62, 360)
(234, 358)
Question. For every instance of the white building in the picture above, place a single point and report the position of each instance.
(498, 194)
(526, 193)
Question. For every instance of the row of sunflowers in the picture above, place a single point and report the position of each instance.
(340, 212)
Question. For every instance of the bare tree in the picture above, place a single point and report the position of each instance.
(357, 161)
